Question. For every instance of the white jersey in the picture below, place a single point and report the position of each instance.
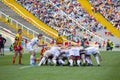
(55, 50)
(91, 50)
(74, 51)
(32, 43)
(66, 52)
(81, 48)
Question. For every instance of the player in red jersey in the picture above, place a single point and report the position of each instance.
(18, 47)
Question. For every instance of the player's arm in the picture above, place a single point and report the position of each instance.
(4, 40)
(16, 40)
(40, 45)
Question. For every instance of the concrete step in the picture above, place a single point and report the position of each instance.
(18, 18)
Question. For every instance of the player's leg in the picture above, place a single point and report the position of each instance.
(49, 60)
(83, 59)
(78, 60)
(88, 59)
(20, 57)
(45, 56)
(14, 57)
(97, 59)
(54, 60)
(15, 54)
(60, 60)
(42, 61)
(32, 57)
(32, 54)
(2, 49)
(71, 60)
(20, 54)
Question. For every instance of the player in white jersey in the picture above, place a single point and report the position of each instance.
(63, 56)
(96, 54)
(74, 53)
(54, 51)
(82, 55)
(30, 45)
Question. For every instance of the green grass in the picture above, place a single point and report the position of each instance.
(109, 70)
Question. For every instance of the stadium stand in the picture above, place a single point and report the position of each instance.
(51, 15)
(29, 17)
(68, 18)
(110, 9)
(27, 32)
(17, 17)
(100, 18)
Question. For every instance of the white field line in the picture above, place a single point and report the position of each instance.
(24, 67)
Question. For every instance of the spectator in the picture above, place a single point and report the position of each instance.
(8, 18)
(110, 9)
(65, 16)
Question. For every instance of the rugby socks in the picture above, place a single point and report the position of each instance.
(61, 61)
(49, 61)
(41, 61)
(89, 61)
(83, 58)
(13, 59)
(54, 61)
(97, 60)
(20, 57)
(71, 62)
(32, 60)
(78, 62)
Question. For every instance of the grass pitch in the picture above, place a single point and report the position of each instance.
(109, 69)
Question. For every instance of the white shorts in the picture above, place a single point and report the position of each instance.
(71, 54)
(74, 53)
(30, 48)
(46, 53)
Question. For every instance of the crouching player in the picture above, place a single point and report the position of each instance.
(74, 53)
(82, 56)
(64, 56)
(30, 45)
(95, 52)
(53, 51)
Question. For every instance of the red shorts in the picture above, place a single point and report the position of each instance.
(18, 48)
(76, 57)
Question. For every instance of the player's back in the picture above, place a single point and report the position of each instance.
(55, 48)
(91, 50)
